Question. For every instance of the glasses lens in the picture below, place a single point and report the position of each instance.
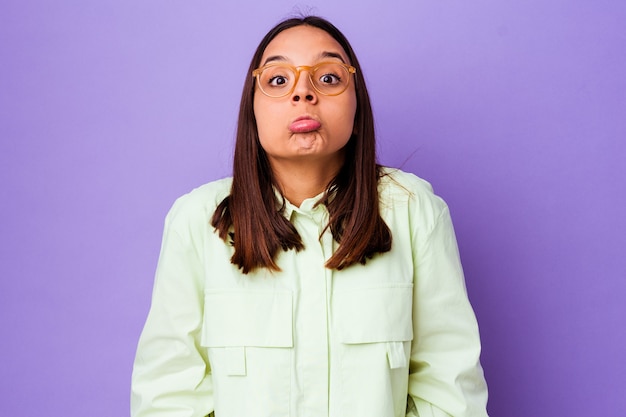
(330, 78)
(276, 81)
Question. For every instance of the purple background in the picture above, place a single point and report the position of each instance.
(514, 110)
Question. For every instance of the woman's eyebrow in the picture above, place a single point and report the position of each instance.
(274, 58)
(328, 54)
(320, 56)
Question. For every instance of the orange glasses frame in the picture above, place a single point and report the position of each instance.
(310, 69)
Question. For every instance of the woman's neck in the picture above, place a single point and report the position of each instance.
(299, 180)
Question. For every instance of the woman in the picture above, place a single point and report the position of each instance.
(314, 282)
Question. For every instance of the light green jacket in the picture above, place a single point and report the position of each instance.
(392, 338)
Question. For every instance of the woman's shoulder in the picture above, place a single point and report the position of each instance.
(398, 183)
(200, 203)
(395, 178)
(400, 187)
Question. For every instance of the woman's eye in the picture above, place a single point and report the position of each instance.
(330, 79)
(277, 81)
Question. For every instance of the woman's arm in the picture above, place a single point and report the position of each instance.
(171, 375)
(446, 378)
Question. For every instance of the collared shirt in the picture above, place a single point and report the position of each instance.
(394, 337)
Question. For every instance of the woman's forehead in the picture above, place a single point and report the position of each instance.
(303, 43)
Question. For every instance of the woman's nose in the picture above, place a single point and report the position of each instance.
(304, 89)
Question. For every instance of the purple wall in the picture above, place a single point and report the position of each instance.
(515, 111)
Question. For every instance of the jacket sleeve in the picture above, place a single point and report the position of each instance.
(445, 375)
(171, 374)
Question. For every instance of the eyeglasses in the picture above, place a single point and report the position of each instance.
(280, 79)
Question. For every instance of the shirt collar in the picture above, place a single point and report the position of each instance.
(309, 207)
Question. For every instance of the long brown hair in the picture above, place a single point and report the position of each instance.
(252, 218)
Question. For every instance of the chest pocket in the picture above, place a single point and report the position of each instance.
(247, 318)
(249, 337)
(375, 314)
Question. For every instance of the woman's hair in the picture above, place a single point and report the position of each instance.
(251, 217)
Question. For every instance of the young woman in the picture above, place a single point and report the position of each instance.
(314, 282)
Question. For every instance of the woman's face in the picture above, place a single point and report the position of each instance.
(305, 124)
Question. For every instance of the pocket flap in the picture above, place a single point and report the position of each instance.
(376, 314)
(247, 318)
